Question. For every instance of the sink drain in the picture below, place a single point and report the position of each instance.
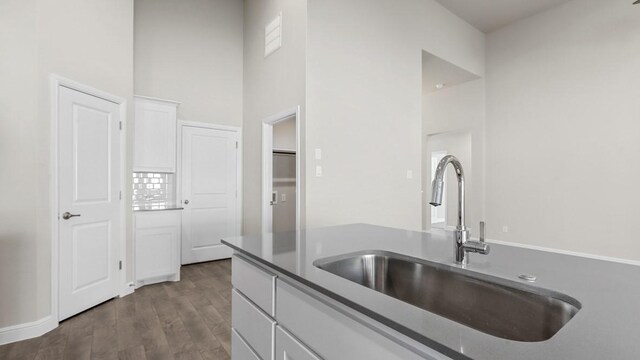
(527, 277)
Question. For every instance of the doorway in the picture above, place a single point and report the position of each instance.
(209, 184)
(88, 244)
(281, 172)
(459, 144)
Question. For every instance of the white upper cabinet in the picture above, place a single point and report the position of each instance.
(155, 135)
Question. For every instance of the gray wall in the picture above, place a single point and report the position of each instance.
(446, 114)
(191, 51)
(284, 183)
(87, 41)
(271, 85)
(364, 104)
(563, 123)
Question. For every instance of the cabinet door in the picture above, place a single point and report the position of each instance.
(335, 335)
(240, 350)
(154, 136)
(289, 348)
(157, 241)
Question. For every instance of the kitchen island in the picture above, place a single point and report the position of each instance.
(275, 275)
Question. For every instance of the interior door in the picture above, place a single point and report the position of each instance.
(209, 192)
(89, 202)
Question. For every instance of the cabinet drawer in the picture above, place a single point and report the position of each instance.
(334, 335)
(288, 347)
(253, 325)
(255, 283)
(240, 350)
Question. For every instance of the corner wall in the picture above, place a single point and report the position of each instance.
(271, 85)
(364, 104)
(563, 123)
(92, 44)
(191, 51)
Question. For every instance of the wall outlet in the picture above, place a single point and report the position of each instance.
(409, 174)
(318, 154)
(505, 229)
(318, 171)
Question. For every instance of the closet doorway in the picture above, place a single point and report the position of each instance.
(281, 172)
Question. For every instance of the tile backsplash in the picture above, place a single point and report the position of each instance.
(153, 190)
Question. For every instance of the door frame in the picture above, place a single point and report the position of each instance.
(56, 82)
(238, 131)
(267, 163)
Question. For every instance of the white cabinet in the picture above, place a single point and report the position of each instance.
(288, 347)
(157, 246)
(240, 349)
(253, 325)
(306, 325)
(255, 283)
(154, 135)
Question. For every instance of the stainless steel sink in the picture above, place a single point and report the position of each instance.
(499, 307)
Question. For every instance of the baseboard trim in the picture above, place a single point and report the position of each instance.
(548, 249)
(28, 330)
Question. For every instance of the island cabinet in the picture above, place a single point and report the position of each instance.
(276, 317)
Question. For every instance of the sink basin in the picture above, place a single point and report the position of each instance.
(495, 306)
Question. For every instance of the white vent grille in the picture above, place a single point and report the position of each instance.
(273, 36)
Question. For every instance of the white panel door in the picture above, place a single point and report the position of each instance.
(209, 193)
(89, 204)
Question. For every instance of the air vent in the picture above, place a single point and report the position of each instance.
(273, 36)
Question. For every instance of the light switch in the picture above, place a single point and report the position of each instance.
(318, 171)
(409, 174)
(505, 229)
(283, 198)
(318, 154)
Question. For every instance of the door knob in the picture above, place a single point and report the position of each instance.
(186, 202)
(67, 215)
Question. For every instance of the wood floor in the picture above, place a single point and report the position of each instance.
(190, 319)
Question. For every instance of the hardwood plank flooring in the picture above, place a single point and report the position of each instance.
(189, 319)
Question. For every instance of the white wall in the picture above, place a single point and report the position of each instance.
(364, 104)
(271, 85)
(87, 41)
(191, 51)
(563, 128)
(19, 162)
(448, 114)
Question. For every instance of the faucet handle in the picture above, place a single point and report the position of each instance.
(482, 231)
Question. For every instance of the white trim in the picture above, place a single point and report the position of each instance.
(565, 252)
(123, 288)
(238, 131)
(28, 330)
(267, 166)
(157, 99)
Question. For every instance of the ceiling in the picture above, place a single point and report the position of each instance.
(489, 15)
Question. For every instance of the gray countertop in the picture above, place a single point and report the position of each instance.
(605, 328)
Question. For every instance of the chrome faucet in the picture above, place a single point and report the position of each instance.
(463, 244)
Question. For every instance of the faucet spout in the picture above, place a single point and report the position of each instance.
(438, 186)
(463, 244)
